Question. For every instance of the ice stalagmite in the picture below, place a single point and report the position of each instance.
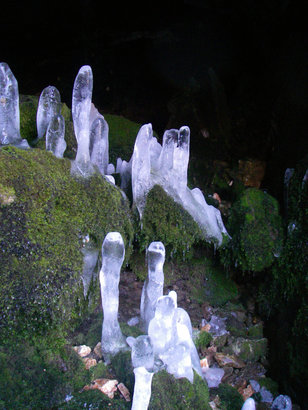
(81, 109)
(113, 252)
(55, 141)
(282, 402)
(249, 404)
(49, 106)
(99, 144)
(141, 167)
(142, 389)
(9, 109)
(154, 283)
(142, 351)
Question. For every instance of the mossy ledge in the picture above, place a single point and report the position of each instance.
(41, 235)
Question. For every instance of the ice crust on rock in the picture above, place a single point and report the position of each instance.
(154, 283)
(9, 109)
(249, 404)
(167, 166)
(142, 388)
(282, 402)
(49, 106)
(55, 132)
(213, 376)
(113, 252)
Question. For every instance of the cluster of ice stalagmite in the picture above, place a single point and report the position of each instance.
(249, 404)
(91, 129)
(9, 109)
(113, 252)
(49, 121)
(166, 165)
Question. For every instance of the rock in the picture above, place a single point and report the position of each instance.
(220, 341)
(256, 331)
(228, 372)
(266, 395)
(249, 350)
(247, 392)
(98, 350)
(124, 391)
(282, 403)
(251, 172)
(106, 386)
(215, 404)
(229, 360)
(89, 362)
(204, 362)
(82, 350)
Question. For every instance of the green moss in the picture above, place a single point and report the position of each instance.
(40, 374)
(269, 384)
(123, 368)
(170, 393)
(41, 237)
(256, 229)
(122, 136)
(230, 398)
(203, 340)
(95, 400)
(166, 221)
(256, 331)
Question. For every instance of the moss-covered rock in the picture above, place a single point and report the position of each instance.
(41, 235)
(230, 398)
(248, 349)
(170, 393)
(256, 229)
(166, 221)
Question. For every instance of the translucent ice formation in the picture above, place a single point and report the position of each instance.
(142, 389)
(55, 141)
(81, 109)
(167, 166)
(142, 352)
(249, 404)
(99, 144)
(213, 376)
(282, 403)
(49, 106)
(113, 252)
(9, 109)
(171, 338)
(154, 283)
(90, 257)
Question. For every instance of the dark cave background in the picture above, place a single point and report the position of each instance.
(234, 72)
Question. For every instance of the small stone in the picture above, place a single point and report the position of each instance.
(206, 328)
(89, 362)
(98, 350)
(106, 386)
(229, 360)
(124, 391)
(215, 404)
(204, 362)
(228, 372)
(213, 376)
(247, 392)
(133, 321)
(82, 350)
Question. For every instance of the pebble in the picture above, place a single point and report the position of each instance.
(82, 350)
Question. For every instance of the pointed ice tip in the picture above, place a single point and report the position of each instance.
(85, 68)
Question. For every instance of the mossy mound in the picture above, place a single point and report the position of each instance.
(171, 393)
(166, 221)
(41, 237)
(230, 398)
(256, 229)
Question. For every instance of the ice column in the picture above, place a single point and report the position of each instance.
(154, 283)
(282, 402)
(181, 159)
(90, 257)
(55, 141)
(142, 388)
(81, 109)
(113, 252)
(141, 167)
(9, 109)
(49, 106)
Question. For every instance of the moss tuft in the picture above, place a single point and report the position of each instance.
(256, 229)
